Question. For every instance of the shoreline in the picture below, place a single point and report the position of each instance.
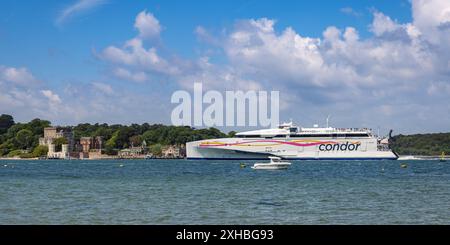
(401, 158)
(88, 159)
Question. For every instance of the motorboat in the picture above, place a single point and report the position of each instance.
(275, 163)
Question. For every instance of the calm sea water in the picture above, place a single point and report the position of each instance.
(220, 192)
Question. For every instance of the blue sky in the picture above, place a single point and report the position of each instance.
(367, 63)
(28, 34)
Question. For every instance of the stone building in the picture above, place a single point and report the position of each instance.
(134, 152)
(53, 133)
(91, 147)
(63, 154)
(173, 151)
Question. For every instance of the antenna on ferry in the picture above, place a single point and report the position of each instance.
(328, 119)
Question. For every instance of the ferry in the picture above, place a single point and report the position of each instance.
(297, 143)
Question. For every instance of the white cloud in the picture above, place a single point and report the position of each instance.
(134, 54)
(18, 76)
(51, 96)
(23, 96)
(351, 11)
(204, 36)
(439, 88)
(428, 15)
(76, 8)
(382, 24)
(399, 72)
(100, 102)
(78, 103)
(147, 25)
(130, 76)
(103, 87)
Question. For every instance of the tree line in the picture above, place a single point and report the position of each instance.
(421, 144)
(22, 139)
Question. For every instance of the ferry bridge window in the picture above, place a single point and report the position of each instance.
(248, 136)
(280, 136)
(252, 136)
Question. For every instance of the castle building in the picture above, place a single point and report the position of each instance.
(63, 154)
(91, 147)
(53, 133)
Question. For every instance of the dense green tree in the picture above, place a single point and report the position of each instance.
(15, 153)
(40, 151)
(231, 134)
(6, 121)
(111, 144)
(37, 126)
(24, 139)
(135, 140)
(123, 136)
(421, 144)
(156, 150)
(150, 136)
(104, 132)
(6, 147)
(59, 142)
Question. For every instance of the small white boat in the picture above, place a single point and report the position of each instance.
(275, 163)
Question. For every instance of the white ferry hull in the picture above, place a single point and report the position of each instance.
(294, 149)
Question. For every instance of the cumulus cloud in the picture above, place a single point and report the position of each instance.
(340, 68)
(23, 96)
(101, 102)
(429, 16)
(147, 25)
(134, 55)
(127, 75)
(80, 6)
(51, 96)
(400, 72)
(17, 76)
(103, 87)
(383, 24)
(204, 36)
(77, 103)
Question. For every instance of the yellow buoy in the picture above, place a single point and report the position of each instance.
(243, 165)
(404, 165)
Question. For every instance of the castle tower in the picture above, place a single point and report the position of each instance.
(51, 150)
(65, 151)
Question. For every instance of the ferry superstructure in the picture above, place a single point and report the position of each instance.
(291, 142)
